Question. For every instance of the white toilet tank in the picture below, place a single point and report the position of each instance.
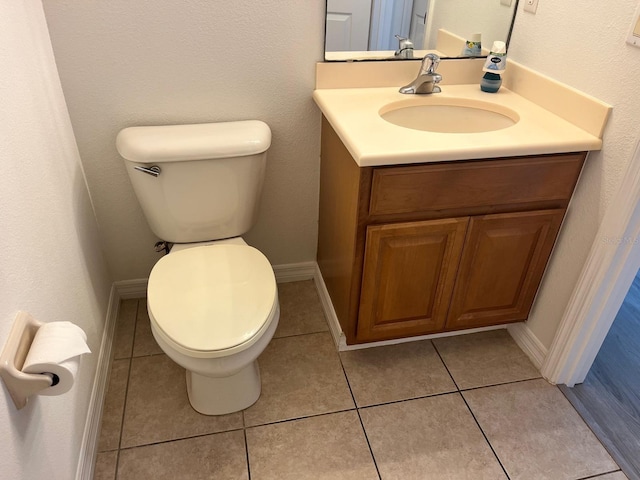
(197, 182)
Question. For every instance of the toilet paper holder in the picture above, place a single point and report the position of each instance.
(21, 385)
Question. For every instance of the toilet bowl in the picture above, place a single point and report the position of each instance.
(212, 301)
(213, 309)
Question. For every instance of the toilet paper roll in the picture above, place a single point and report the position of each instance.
(55, 351)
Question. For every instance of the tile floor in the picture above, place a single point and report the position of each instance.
(466, 407)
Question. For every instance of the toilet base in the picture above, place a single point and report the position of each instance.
(223, 395)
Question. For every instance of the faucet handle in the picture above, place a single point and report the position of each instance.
(429, 64)
(405, 47)
(404, 42)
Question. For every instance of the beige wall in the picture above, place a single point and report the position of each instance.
(51, 263)
(148, 62)
(583, 45)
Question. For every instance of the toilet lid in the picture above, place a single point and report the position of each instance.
(212, 297)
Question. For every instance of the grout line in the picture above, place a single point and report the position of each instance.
(300, 418)
(111, 450)
(484, 435)
(364, 430)
(366, 437)
(246, 445)
(190, 437)
(301, 335)
(148, 355)
(470, 389)
(445, 365)
(238, 429)
(126, 390)
(472, 414)
(598, 475)
(246, 449)
(404, 400)
(432, 395)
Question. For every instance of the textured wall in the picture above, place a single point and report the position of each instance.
(126, 63)
(50, 260)
(583, 45)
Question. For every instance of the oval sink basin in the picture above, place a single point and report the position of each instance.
(449, 115)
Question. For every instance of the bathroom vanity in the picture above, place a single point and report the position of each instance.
(424, 232)
(433, 247)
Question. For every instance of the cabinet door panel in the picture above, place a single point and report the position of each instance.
(409, 273)
(501, 267)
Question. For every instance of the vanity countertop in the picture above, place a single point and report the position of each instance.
(372, 141)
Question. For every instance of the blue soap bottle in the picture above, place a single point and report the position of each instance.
(494, 67)
(490, 82)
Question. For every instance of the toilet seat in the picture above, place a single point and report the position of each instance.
(212, 300)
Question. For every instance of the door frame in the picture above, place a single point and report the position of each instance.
(382, 15)
(610, 268)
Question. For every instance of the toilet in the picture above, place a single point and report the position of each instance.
(212, 300)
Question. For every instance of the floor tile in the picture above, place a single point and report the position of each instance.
(434, 438)
(125, 327)
(486, 358)
(220, 456)
(326, 447)
(144, 343)
(395, 372)
(300, 309)
(158, 408)
(114, 406)
(536, 433)
(105, 468)
(301, 376)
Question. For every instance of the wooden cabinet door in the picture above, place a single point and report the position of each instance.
(408, 277)
(501, 267)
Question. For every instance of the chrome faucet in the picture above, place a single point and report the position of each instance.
(427, 79)
(405, 48)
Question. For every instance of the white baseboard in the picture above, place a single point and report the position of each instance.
(332, 319)
(294, 272)
(89, 445)
(136, 288)
(529, 343)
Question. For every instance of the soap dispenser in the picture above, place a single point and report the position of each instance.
(473, 47)
(493, 67)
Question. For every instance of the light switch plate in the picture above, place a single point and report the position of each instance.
(530, 6)
(634, 32)
(506, 3)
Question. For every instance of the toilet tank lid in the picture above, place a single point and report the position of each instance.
(174, 143)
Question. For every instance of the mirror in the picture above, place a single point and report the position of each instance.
(367, 29)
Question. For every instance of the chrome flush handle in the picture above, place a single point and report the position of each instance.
(153, 170)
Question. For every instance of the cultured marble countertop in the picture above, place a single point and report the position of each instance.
(372, 141)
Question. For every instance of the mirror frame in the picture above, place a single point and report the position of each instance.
(394, 59)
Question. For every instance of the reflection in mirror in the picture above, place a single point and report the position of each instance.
(369, 29)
